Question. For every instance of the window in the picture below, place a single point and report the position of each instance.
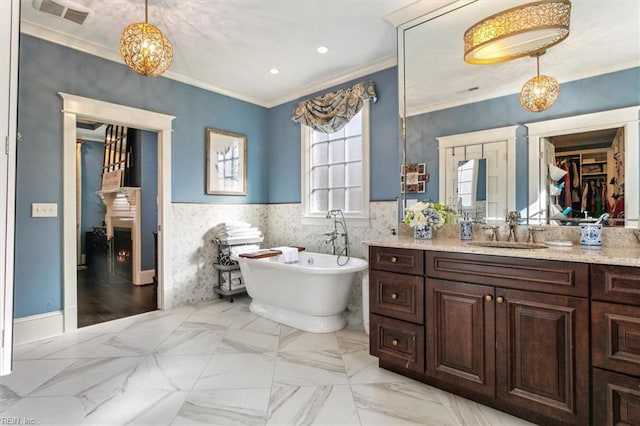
(335, 172)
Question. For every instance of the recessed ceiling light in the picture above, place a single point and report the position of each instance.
(322, 49)
(274, 71)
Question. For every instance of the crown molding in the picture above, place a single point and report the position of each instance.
(352, 74)
(113, 55)
(415, 10)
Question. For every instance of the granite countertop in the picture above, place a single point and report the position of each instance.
(626, 256)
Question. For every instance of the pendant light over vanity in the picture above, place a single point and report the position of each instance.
(526, 30)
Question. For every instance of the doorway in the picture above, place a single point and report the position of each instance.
(75, 107)
(116, 244)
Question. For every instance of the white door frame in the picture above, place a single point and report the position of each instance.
(77, 106)
(10, 19)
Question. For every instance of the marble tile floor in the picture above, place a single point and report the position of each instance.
(219, 364)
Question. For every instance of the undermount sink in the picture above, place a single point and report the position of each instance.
(507, 244)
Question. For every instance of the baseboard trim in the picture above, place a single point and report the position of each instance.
(37, 327)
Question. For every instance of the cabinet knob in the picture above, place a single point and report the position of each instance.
(393, 259)
(488, 298)
(499, 299)
(394, 296)
(394, 342)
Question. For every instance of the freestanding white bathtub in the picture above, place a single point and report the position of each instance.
(310, 295)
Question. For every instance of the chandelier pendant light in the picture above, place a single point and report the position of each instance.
(517, 32)
(144, 48)
(540, 92)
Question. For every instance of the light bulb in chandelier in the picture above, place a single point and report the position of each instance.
(539, 93)
(145, 49)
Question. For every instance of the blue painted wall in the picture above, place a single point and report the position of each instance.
(46, 69)
(285, 150)
(273, 149)
(609, 91)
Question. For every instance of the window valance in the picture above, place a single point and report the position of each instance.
(332, 111)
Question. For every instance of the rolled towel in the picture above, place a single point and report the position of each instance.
(289, 254)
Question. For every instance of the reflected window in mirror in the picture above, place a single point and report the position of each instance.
(472, 189)
(494, 153)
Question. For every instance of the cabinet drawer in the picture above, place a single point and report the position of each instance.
(616, 399)
(568, 278)
(397, 343)
(616, 337)
(615, 284)
(397, 295)
(397, 260)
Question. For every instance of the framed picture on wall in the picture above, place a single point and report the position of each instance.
(417, 178)
(226, 154)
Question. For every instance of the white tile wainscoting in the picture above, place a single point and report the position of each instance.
(194, 252)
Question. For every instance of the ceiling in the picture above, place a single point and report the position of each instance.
(230, 46)
(604, 37)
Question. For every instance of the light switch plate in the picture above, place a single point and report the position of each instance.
(44, 210)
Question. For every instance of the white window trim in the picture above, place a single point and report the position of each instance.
(320, 219)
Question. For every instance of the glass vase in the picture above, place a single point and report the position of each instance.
(423, 232)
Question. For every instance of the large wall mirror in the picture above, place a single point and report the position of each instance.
(451, 108)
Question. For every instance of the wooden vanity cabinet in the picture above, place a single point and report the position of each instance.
(396, 303)
(512, 333)
(527, 349)
(615, 320)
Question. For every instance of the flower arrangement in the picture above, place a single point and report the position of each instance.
(426, 213)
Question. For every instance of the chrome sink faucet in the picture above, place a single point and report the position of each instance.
(512, 220)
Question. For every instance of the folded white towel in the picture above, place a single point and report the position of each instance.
(238, 233)
(241, 231)
(257, 238)
(233, 275)
(234, 224)
(289, 254)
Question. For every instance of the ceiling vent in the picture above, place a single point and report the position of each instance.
(64, 9)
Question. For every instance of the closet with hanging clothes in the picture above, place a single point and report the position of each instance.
(586, 189)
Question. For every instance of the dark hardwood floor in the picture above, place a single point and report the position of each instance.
(99, 301)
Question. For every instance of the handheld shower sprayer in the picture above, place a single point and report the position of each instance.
(338, 219)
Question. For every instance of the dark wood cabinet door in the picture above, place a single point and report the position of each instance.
(616, 400)
(542, 356)
(615, 331)
(461, 335)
